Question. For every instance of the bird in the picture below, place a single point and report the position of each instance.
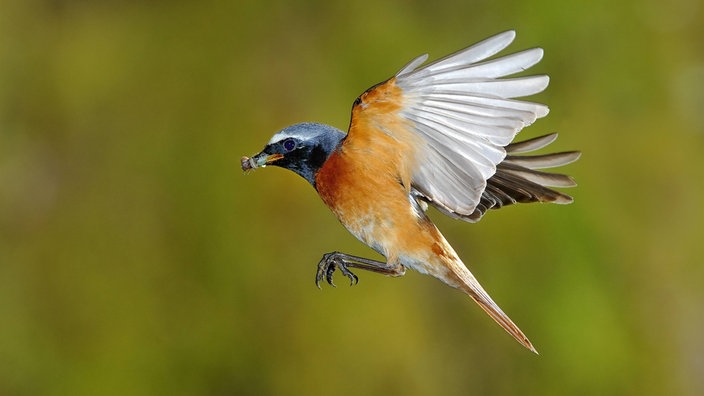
(439, 134)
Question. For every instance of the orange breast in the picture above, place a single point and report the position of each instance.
(366, 194)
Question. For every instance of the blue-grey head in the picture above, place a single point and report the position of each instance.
(302, 148)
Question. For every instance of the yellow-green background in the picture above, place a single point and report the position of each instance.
(137, 259)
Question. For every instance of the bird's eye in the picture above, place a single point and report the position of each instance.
(289, 144)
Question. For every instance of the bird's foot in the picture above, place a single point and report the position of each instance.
(327, 265)
(344, 262)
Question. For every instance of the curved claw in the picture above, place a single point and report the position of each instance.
(322, 269)
(346, 272)
(329, 272)
(326, 268)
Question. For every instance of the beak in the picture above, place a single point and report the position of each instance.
(259, 161)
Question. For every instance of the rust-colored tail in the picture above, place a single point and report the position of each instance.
(475, 291)
(460, 277)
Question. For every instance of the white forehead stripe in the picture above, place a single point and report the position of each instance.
(286, 133)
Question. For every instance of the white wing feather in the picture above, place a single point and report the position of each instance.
(463, 110)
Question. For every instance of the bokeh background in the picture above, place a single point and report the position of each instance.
(137, 259)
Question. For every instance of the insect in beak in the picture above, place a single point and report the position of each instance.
(260, 160)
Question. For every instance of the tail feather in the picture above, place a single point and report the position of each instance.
(493, 310)
(443, 263)
(465, 281)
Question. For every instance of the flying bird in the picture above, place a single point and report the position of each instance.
(438, 134)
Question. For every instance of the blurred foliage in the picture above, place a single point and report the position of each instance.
(137, 259)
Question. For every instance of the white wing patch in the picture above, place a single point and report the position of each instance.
(464, 111)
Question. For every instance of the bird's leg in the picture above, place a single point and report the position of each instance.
(343, 261)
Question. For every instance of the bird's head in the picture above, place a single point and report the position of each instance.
(302, 148)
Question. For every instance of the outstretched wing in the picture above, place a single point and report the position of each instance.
(452, 120)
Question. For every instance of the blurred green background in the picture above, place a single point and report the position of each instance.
(137, 259)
